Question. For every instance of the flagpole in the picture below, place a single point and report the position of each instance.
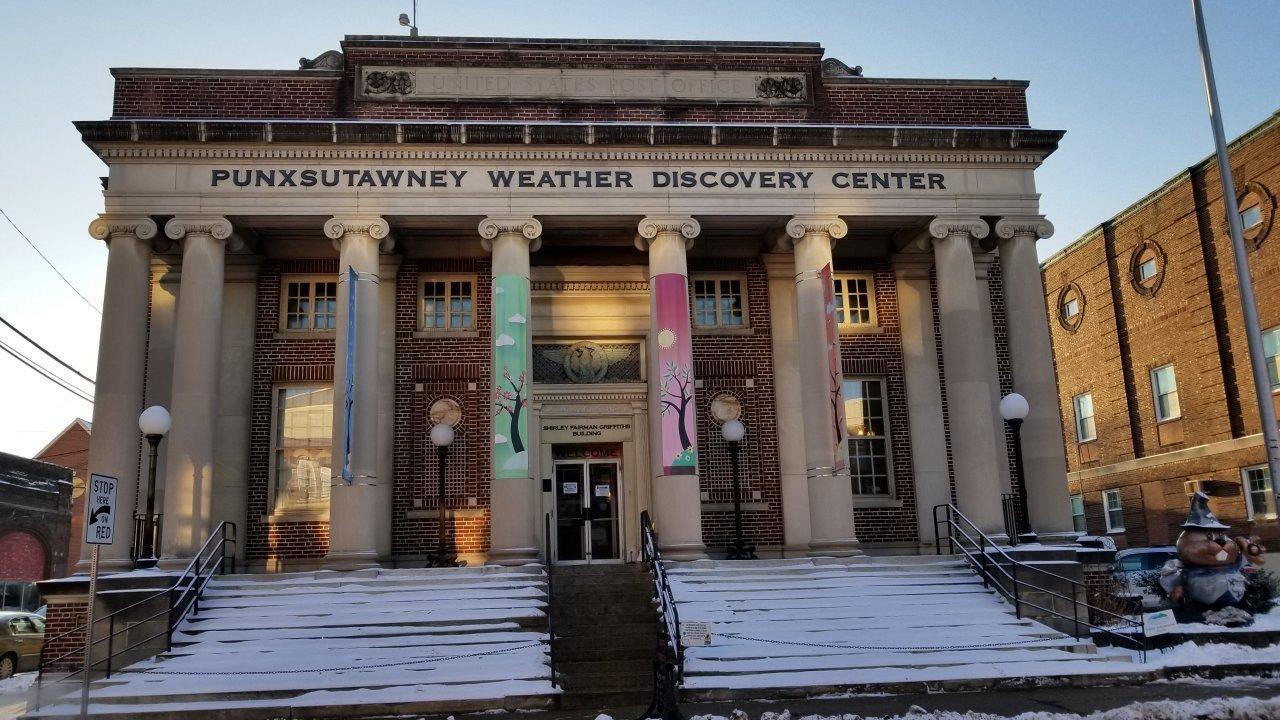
(1253, 332)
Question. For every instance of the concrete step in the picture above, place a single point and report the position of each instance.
(610, 701)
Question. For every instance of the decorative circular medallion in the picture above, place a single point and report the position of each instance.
(1257, 209)
(1071, 307)
(446, 411)
(586, 362)
(726, 406)
(1146, 268)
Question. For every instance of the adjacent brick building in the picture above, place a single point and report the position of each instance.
(70, 449)
(1157, 399)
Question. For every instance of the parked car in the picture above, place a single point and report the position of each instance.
(1133, 563)
(21, 639)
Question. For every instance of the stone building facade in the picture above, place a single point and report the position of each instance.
(583, 256)
(1157, 398)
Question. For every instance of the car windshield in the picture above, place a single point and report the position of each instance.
(1156, 560)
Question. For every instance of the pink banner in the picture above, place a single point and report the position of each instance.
(678, 448)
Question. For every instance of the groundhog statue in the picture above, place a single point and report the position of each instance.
(1208, 574)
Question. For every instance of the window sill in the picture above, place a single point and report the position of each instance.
(295, 516)
(306, 334)
(755, 506)
(729, 331)
(429, 334)
(869, 330)
(455, 513)
(865, 501)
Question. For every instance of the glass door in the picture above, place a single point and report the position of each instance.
(603, 503)
(586, 511)
(570, 519)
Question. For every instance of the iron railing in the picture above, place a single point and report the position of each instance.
(183, 599)
(139, 530)
(663, 597)
(1024, 585)
(551, 597)
(1009, 507)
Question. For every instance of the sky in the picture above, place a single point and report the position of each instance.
(1121, 78)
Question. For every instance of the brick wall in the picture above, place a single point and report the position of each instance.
(276, 356)
(63, 618)
(71, 450)
(743, 366)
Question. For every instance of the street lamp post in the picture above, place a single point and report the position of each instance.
(733, 431)
(1014, 409)
(154, 422)
(442, 437)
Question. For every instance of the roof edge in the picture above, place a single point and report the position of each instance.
(446, 42)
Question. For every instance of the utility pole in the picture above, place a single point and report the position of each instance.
(1257, 359)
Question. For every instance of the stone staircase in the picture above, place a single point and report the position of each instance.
(795, 628)
(606, 636)
(343, 644)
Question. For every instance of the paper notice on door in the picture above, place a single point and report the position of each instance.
(569, 488)
(602, 491)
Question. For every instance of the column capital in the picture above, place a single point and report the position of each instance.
(1012, 226)
(215, 226)
(494, 225)
(945, 226)
(652, 225)
(831, 225)
(139, 226)
(907, 265)
(375, 226)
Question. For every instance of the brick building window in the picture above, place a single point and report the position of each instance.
(1258, 493)
(1071, 307)
(719, 302)
(868, 428)
(1251, 217)
(302, 442)
(310, 304)
(1077, 514)
(1271, 353)
(448, 303)
(1086, 429)
(1164, 388)
(1113, 511)
(855, 297)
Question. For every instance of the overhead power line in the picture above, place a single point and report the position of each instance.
(49, 262)
(47, 374)
(41, 348)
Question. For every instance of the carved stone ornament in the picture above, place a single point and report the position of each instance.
(392, 82)
(651, 226)
(218, 228)
(336, 228)
(105, 226)
(943, 227)
(327, 60)
(445, 411)
(830, 225)
(1008, 228)
(726, 406)
(491, 227)
(788, 87)
(586, 362)
(831, 67)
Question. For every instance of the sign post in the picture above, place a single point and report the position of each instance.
(99, 529)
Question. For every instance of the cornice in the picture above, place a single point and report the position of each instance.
(586, 286)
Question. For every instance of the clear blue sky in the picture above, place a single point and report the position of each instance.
(1122, 78)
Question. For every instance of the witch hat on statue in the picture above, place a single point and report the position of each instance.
(1201, 516)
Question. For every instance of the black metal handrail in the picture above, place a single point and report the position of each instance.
(183, 599)
(140, 530)
(1012, 525)
(551, 598)
(1008, 576)
(663, 595)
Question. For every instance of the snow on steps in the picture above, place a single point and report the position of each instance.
(915, 621)
(335, 644)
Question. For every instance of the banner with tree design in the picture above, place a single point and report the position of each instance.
(678, 441)
(510, 376)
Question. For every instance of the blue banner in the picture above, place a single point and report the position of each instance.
(349, 392)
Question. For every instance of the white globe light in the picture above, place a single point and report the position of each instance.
(441, 435)
(1014, 407)
(154, 421)
(733, 430)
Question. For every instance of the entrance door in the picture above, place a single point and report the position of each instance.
(586, 510)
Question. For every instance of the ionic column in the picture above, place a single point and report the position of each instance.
(122, 351)
(822, 386)
(359, 499)
(973, 445)
(788, 407)
(193, 403)
(924, 391)
(1031, 351)
(677, 498)
(514, 495)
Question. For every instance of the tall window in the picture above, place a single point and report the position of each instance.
(1113, 511)
(718, 302)
(1077, 513)
(855, 300)
(310, 304)
(447, 304)
(1257, 487)
(302, 443)
(1086, 430)
(1271, 351)
(1164, 386)
(868, 428)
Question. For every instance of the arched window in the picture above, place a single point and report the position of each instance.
(1071, 307)
(1147, 268)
